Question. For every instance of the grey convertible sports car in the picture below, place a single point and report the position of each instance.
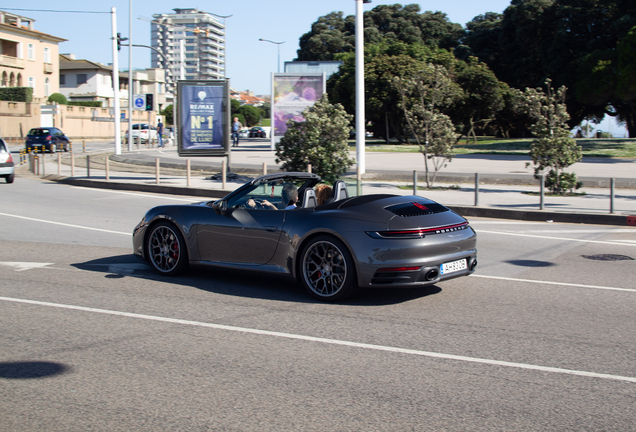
(273, 224)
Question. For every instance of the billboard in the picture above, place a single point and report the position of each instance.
(203, 118)
(291, 95)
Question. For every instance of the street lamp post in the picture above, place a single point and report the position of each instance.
(360, 123)
(277, 43)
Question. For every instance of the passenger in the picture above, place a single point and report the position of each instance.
(323, 193)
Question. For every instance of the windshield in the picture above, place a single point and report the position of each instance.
(280, 193)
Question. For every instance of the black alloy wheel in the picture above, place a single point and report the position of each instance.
(326, 269)
(166, 249)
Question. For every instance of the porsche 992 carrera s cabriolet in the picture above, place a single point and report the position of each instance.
(274, 224)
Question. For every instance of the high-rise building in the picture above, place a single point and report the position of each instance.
(192, 42)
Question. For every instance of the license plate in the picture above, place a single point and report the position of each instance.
(454, 266)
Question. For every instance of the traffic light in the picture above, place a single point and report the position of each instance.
(149, 102)
(120, 40)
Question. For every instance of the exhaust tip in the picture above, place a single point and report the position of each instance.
(473, 265)
(432, 275)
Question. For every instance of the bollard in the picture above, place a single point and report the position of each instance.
(612, 194)
(309, 168)
(59, 163)
(223, 172)
(542, 201)
(72, 164)
(264, 168)
(70, 147)
(414, 182)
(37, 165)
(157, 164)
(358, 181)
(88, 166)
(107, 163)
(43, 165)
(84, 146)
(476, 189)
(188, 172)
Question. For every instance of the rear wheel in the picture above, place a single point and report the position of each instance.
(326, 269)
(9, 178)
(166, 249)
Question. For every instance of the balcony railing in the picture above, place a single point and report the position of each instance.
(11, 61)
(48, 68)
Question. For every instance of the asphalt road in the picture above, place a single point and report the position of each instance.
(541, 338)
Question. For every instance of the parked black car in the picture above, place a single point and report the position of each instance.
(258, 132)
(47, 139)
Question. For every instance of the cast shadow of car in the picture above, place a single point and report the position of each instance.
(31, 369)
(249, 284)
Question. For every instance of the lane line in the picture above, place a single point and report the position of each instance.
(509, 279)
(332, 341)
(556, 238)
(66, 225)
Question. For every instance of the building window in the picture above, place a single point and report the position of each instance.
(62, 79)
(47, 87)
(81, 79)
(5, 79)
(47, 55)
(32, 83)
(31, 52)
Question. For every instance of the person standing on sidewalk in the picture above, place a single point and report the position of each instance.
(236, 127)
(160, 133)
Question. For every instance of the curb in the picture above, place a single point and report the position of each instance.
(466, 211)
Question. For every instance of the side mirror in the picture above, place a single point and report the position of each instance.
(220, 206)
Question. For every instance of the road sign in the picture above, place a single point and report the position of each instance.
(139, 102)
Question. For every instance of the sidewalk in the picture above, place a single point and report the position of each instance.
(507, 188)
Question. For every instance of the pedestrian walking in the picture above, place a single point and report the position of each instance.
(160, 133)
(236, 127)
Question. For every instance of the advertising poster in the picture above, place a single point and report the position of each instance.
(292, 94)
(203, 118)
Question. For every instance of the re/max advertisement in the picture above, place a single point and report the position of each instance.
(203, 118)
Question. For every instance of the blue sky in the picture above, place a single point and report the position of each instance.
(249, 62)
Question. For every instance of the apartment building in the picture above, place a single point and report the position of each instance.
(28, 58)
(190, 41)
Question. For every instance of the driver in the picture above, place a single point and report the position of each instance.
(289, 197)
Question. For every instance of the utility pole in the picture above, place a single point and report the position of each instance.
(131, 82)
(116, 109)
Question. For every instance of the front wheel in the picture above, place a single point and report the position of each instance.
(326, 269)
(166, 249)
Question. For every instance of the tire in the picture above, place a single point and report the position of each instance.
(326, 269)
(166, 249)
(9, 178)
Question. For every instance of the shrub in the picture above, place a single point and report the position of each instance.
(96, 104)
(16, 94)
(58, 98)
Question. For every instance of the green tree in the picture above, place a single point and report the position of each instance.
(423, 96)
(252, 115)
(553, 149)
(320, 140)
(168, 114)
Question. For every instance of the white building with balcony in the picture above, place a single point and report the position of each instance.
(192, 42)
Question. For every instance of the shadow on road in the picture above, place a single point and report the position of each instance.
(31, 369)
(246, 283)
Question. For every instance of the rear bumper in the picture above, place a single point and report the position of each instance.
(7, 168)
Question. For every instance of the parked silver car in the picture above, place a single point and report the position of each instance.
(7, 166)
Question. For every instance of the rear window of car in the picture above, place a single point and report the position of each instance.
(39, 132)
(3, 147)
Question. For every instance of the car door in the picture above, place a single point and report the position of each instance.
(239, 235)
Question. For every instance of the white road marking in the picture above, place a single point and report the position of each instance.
(554, 283)
(615, 243)
(66, 225)
(331, 341)
(22, 266)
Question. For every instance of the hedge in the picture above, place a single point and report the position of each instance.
(96, 104)
(16, 94)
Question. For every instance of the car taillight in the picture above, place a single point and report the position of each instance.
(49, 138)
(10, 159)
(417, 233)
